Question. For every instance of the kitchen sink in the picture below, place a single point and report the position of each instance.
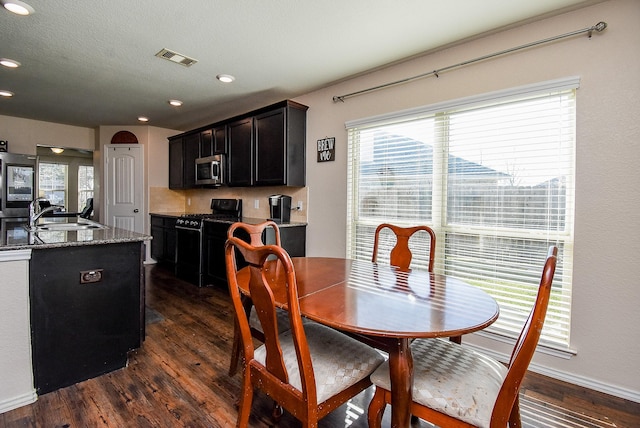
(66, 226)
(69, 226)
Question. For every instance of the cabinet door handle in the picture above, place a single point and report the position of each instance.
(136, 210)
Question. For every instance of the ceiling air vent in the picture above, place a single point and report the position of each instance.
(176, 57)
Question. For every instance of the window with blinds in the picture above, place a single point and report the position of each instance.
(493, 176)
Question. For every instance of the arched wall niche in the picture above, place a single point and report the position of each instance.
(124, 137)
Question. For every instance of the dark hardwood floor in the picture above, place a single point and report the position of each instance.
(178, 378)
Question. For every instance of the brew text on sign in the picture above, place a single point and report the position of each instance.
(326, 149)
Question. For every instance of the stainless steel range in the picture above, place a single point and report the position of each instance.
(189, 243)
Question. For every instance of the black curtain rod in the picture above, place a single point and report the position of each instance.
(600, 26)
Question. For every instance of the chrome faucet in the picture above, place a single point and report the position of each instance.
(33, 216)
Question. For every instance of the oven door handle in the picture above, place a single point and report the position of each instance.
(187, 228)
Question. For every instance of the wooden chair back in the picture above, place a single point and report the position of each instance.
(401, 255)
(507, 406)
(293, 385)
(253, 233)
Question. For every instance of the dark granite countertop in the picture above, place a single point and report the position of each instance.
(16, 237)
(250, 220)
(173, 214)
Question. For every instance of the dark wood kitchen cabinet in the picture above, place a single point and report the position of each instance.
(265, 147)
(279, 140)
(213, 141)
(183, 152)
(87, 311)
(293, 240)
(268, 148)
(206, 143)
(219, 135)
(214, 236)
(163, 244)
(176, 163)
(240, 150)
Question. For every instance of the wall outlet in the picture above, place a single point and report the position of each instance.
(256, 203)
(299, 207)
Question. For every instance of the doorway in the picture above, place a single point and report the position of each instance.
(124, 204)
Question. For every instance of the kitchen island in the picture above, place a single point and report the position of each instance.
(81, 294)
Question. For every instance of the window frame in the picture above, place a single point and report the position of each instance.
(443, 229)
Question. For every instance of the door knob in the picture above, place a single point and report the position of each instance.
(136, 210)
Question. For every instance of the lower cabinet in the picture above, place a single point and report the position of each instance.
(213, 240)
(87, 311)
(215, 235)
(163, 244)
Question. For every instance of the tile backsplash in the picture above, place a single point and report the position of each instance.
(162, 199)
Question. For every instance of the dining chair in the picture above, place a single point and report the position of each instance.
(454, 386)
(401, 254)
(309, 370)
(253, 233)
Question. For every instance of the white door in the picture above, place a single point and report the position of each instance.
(124, 187)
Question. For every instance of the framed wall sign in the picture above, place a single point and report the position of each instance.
(327, 149)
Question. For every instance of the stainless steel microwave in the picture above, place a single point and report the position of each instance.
(210, 171)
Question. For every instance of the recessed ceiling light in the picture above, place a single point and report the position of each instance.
(225, 78)
(143, 119)
(9, 63)
(4, 93)
(175, 103)
(18, 7)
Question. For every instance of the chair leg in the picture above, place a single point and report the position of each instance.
(514, 417)
(376, 409)
(235, 352)
(277, 412)
(246, 400)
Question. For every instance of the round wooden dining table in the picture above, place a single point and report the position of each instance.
(386, 308)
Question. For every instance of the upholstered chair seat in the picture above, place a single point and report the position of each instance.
(338, 360)
(452, 379)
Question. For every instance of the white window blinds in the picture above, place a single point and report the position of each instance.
(495, 179)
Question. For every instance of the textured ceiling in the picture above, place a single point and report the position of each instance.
(91, 63)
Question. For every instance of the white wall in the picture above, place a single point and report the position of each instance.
(605, 316)
(24, 135)
(16, 387)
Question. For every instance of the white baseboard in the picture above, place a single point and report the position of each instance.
(616, 391)
(19, 401)
(606, 388)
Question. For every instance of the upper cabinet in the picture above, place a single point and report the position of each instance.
(206, 143)
(183, 152)
(176, 163)
(219, 143)
(240, 153)
(265, 147)
(279, 146)
(268, 147)
(213, 141)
